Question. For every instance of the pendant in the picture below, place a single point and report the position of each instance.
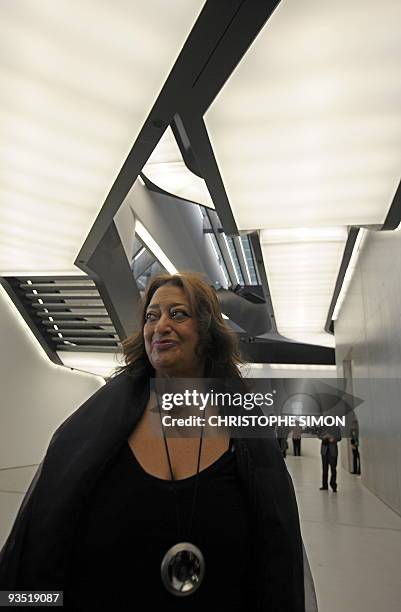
(182, 569)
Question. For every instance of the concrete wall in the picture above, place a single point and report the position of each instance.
(368, 335)
(35, 397)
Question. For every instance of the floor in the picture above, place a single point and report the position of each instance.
(353, 540)
(14, 482)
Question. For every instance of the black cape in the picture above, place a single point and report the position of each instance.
(38, 550)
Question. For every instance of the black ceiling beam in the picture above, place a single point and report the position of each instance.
(349, 247)
(110, 269)
(259, 265)
(393, 218)
(185, 146)
(196, 132)
(246, 23)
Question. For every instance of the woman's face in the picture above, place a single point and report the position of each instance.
(171, 334)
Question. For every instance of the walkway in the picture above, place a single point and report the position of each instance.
(353, 540)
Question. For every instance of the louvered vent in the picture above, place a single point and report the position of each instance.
(68, 312)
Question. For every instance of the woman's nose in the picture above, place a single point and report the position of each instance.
(163, 324)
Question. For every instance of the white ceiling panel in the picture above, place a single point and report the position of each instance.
(78, 78)
(302, 267)
(166, 169)
(307, 134)
(307, 130)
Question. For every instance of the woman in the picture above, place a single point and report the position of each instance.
(114, 496)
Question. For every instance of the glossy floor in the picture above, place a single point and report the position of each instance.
(353, 540)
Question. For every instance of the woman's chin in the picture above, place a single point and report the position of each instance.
(165, 367)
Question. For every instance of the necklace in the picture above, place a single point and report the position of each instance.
(183, 565)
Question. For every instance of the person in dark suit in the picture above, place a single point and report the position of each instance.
(329, 436)
(355, 448)
(296, 439)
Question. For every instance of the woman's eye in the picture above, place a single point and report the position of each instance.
(179, 315)
(150, 316)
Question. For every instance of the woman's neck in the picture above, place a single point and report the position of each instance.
(197, 372)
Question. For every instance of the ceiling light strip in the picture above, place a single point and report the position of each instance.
(140, 252)
(232, 260)
(245, 260)
(152, 245)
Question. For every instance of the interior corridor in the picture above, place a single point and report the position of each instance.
(353, 540)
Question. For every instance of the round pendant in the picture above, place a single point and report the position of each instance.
(182, 569)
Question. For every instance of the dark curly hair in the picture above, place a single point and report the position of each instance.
(218, 344)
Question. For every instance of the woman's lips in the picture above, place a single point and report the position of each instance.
(164, 345)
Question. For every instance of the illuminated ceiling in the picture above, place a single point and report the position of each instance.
(77, 79)
(307, 135)
(306, 131)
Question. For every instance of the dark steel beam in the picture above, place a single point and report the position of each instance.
(393, 218)
(197, 134)
(349, 247)
(109, 267)
(261, 273)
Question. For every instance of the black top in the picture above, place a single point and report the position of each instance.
(132, 522)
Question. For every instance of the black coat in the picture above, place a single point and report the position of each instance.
(38, 550)
(330, 448)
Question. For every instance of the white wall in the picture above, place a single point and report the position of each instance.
(368, 335)
(35, 397)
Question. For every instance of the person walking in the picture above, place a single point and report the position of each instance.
(356, 459)
(330, 437)
(296, 439)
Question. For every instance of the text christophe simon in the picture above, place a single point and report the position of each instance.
(248, 401)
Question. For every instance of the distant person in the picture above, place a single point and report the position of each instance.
(282, 435)
(329, 436)
(356, 459)
(296, 439)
